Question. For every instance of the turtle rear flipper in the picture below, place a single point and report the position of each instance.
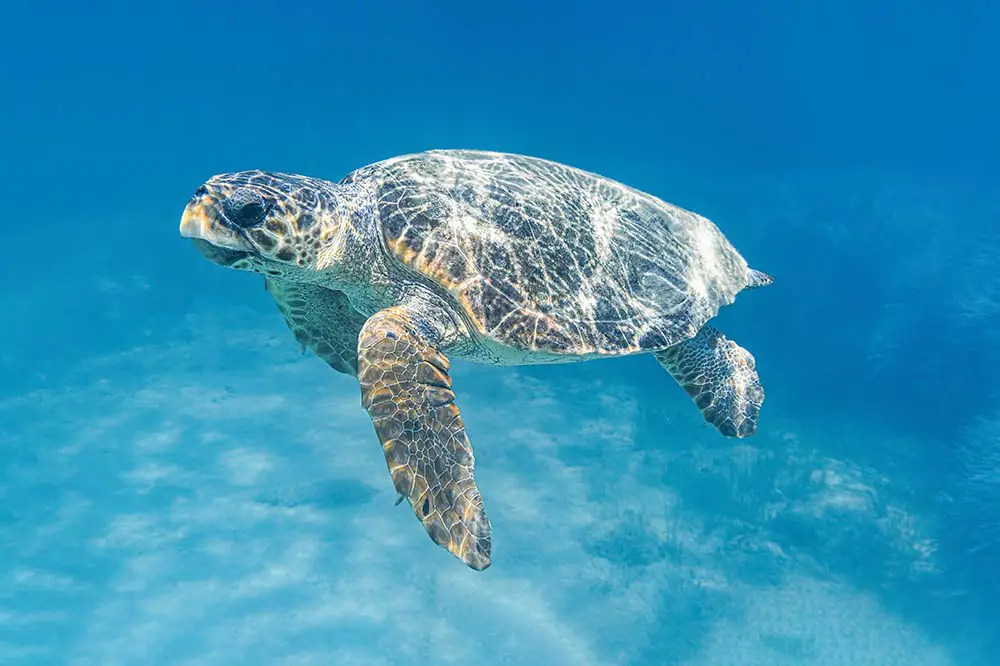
(759, 279)
(721, 377)
(406, 388)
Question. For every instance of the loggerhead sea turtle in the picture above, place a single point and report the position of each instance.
(491, 257)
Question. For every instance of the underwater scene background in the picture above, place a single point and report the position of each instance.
(178, 485)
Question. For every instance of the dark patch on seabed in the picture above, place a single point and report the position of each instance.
(802, 649)
(338, 493)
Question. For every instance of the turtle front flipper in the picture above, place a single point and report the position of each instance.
(721, 377)
(322, 320)
(406, 388)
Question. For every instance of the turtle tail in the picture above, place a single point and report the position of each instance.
(759, 279)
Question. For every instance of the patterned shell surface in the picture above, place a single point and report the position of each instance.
(549, 258)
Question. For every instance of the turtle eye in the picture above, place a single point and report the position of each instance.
(248, 215)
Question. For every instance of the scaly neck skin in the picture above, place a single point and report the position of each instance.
(358, 264)
(354, 261)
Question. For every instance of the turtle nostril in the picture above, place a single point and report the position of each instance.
(201, 191)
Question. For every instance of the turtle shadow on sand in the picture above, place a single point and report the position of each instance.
(328, 494)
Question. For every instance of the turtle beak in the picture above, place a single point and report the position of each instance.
(196, 222)
(201, 223)
(202, 220)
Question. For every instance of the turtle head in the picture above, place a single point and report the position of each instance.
(276, 224)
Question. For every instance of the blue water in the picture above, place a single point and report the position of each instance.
(179, 486)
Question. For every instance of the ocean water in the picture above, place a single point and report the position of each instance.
(178, 485)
